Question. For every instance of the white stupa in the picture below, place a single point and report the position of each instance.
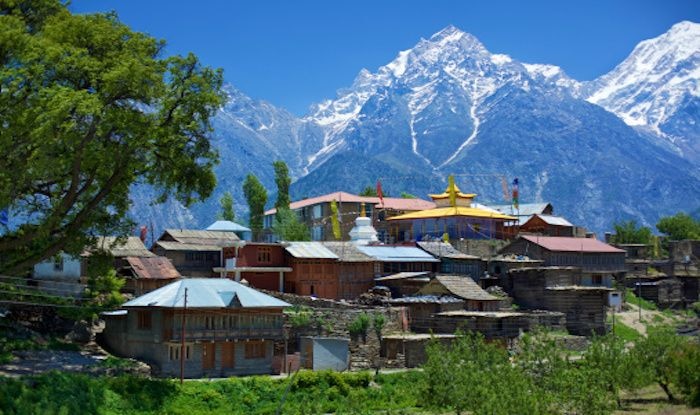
(363, 233)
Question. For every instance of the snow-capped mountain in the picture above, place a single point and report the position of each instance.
(658, 88)
(448, 105)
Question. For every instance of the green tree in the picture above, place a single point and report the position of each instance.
(89, 108)
(628, 232)
(679, 227)
(656, 353)
(369, 191)
(256, 196)
(406, 195)
(287, 226)
(283, 181)
(226, 205)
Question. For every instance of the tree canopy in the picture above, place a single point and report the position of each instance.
(679, 227)
(283, 181)
(90, 108)
(256, 196)
(226, 205)
(287, 225)
(628, 232)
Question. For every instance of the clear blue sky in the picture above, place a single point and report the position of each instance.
(295, 53)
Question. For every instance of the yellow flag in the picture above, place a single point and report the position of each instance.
(452, 191)
(334, 220)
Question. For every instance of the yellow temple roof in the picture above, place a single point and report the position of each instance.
(446, 194)
(453, 211)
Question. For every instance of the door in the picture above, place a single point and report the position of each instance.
(208, 355)
(227, 355)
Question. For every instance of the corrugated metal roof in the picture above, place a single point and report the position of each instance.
(396, 203)
(347, 251)
(177, 246)
(156, 267)
(453, 211)
(132, 246)
(309, 250)
(552, 220)
(524, 209)
(206, 293)
(397, 253)
(417, 275)
(425, 299)
(444, 250)
(227, 226)
(570, 244)
(191, 236)
(459, 286)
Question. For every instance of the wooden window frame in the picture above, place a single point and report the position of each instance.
(255, 349)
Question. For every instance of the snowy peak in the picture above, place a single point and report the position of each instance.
(657, 81)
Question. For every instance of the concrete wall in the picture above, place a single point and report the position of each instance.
(71, 270)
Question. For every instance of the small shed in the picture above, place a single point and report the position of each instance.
(411, 347)
(322, 353)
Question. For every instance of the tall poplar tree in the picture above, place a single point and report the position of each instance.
(256, 196)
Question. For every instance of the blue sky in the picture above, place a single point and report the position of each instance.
(296, 53)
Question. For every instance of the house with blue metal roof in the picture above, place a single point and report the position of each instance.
(391, 259)
(213, 327)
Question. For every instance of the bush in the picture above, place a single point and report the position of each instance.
(686, 362)
(359, 326)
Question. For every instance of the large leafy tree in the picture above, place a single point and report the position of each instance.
(90, 108)
(282, 180)
(287, 225)
(256, 196)
(679, 227)
(628, 232)
(226, 205)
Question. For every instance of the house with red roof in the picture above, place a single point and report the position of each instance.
(316, 213)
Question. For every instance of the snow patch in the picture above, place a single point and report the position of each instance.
(500, 59)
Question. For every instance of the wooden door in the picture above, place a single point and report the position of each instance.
(228, 355)
(208, 355)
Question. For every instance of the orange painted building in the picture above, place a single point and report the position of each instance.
(315, 270)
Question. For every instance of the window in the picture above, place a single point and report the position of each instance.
(143, 320)
(174, 351)
(58, 263)
(317, 211)
(255, 350)
(264, 254)
(597, 279)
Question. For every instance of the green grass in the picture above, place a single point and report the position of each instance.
(625, 332)
(645, 304)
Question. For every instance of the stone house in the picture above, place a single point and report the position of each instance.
(229, 329)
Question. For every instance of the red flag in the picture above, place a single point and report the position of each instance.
(379, 192)
(144, 232)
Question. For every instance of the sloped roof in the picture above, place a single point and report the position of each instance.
(132, 246)
(524, 209)
(227, 226)
(156, 267)
(309, 250)
(551, 220)
(198, 237)
(444, 250)
(453, 211)
(387, 253)
(570, 244)
(459, 286)
(177, 246)
(206, 293)
(414, 275)
(347, 251)
(397, 203)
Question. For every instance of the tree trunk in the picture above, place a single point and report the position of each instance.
(666, 389)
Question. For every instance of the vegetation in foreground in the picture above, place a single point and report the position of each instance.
(472, 376)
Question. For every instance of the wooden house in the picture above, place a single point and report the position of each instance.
(453, 261)
(145, 274)
(194, 253)
(229, 329)
(548, 225)
(464, 288)
(314, 270)
(262, 265)
(355, 269)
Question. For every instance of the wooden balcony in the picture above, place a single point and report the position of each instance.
(201, 333)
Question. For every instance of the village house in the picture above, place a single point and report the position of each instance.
(314, 270)
(403, 284)
(597, 260)
(66, 274)
(685, 265)
(229, 329)
(145, 274)
(392, 259)
(498, 268)
(566, 290)
(194, 253)
(262, 265)
(524, 211)
(316, 213)
(243, 233)
(453, 261)
(548, 225)
(455, 215)
(355, 269)
(464, 288)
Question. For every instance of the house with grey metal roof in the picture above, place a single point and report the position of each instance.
(391, 259)
(548, 225)
(214, 327)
